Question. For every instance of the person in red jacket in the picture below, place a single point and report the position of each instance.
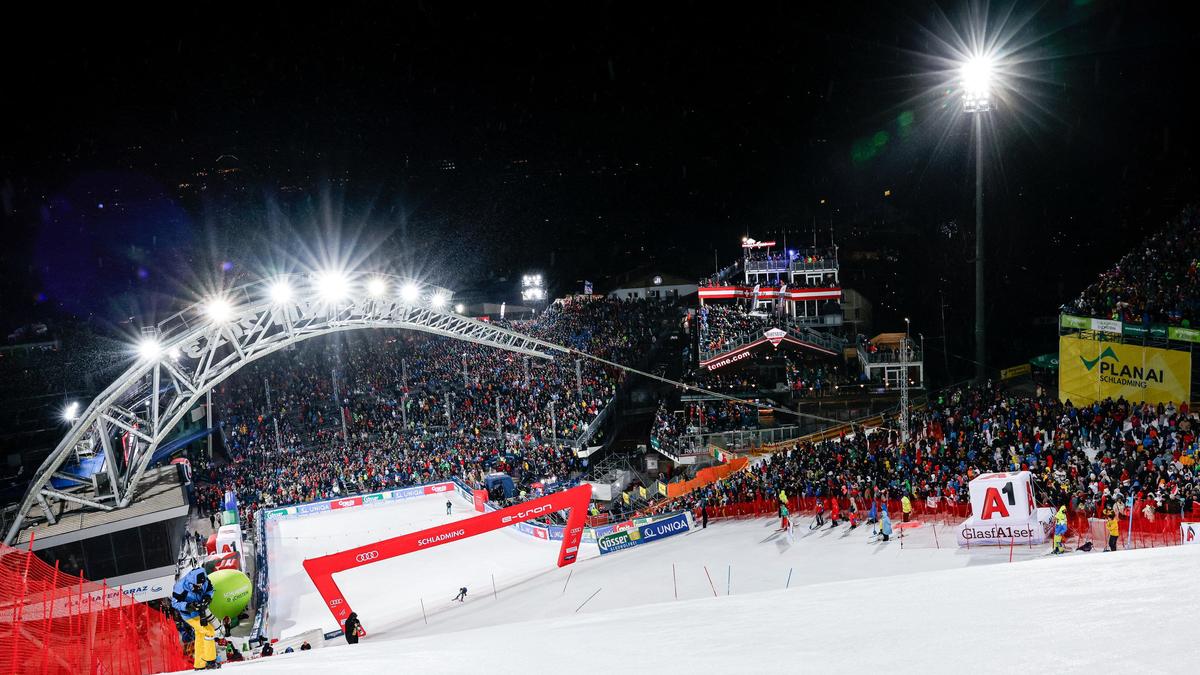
(833, 513)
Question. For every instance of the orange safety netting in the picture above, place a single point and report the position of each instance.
(706, 476)
(53, 623)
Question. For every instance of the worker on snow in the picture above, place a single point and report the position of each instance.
(1060, 528)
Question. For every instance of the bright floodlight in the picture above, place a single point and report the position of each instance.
(281, 292)
(376, 287)
(438, 300)
(71, 412)
(459, 308)
(409, 292)
(332, 286)
(977, 76)
(218, 309)
(149, 348)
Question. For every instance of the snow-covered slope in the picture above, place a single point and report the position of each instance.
(735, 556)
(1080, 613)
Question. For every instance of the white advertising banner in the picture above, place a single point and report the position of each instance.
(1189, 533)
(1002, 498)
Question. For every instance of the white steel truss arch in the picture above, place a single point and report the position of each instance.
(188, 354)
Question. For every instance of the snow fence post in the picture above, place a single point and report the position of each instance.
(728, 578)
(569, 573)
(789, 580)
(423, 614)
(710, 581)
(494, 593)
(674, 582)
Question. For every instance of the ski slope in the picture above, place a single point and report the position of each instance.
(410, 595)
(1076, 613)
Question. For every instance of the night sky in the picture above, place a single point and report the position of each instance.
(142, 151)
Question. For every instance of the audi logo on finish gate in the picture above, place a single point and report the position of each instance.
(335, 602)
(364, 557)
(522, 515)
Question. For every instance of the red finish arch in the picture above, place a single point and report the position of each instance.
(321, 570)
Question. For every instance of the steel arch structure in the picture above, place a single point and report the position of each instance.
(188, 354)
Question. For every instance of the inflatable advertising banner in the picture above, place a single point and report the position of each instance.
(1003, 511)
(1093, 370)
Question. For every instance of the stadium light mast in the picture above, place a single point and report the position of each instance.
(977, 79)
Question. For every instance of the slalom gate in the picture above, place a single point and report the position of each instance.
(53, 623)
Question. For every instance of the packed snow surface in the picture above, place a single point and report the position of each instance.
(849, 605)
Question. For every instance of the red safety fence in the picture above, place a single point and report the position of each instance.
(1163, 529)
(53, 623)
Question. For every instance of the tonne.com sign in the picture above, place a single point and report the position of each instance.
(1093, 370)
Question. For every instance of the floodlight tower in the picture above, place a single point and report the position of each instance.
(977, 79)
(533, 288)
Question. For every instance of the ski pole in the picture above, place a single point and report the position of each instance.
(789, 580)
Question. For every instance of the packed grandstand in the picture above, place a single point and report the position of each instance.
(343, 418)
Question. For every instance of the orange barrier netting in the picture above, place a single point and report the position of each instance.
(706, 476)
(52, 623)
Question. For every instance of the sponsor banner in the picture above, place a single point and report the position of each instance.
(971, 533)
(1092, 370)
(768, 293)
(1189, 533)
(1184, 334)
(1077, 322)
(142, 591)
(408, 493)
(1015, 371)
(1107, 326)
(346, 503)
(374, 498)
(667, 527)
(479, 498)
(619, 541)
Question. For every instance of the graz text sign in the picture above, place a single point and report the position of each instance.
(321, 570)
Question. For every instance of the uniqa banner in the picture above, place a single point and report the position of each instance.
(1093, 370)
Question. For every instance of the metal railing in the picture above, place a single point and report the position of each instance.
(799, 331)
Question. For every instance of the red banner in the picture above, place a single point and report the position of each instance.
(480, 497)
(437, 488)
(321, 570)
(346, 503)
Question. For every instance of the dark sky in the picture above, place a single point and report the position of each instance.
(469, 143)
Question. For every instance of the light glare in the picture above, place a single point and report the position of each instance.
(438, 300)
(376, 287)
(71, 412)
(409, 292)
(332, 286)
(219, 310)
(281, 292)
(149, 349)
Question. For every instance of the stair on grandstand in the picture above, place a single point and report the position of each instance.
(797, 331)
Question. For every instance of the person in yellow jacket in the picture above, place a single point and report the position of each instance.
(206, 643)
(906, 507)
(1060, 528)
(1113, 527)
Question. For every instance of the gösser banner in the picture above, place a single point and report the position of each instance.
(321, 570)
(645, 534)
(1092, 370)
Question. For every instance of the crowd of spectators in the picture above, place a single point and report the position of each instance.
(673, 427)
(1089, 458)
(348, 420)
(1158, 282)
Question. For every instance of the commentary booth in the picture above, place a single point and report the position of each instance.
(1004, 511)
